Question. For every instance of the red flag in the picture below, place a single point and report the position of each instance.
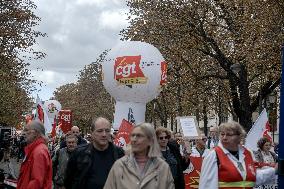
(191, 178)
(123, 134)
(65, 120)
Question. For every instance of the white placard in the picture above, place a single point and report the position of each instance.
(189, 126)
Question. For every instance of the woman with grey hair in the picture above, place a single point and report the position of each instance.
(230, 164)
(143, 167)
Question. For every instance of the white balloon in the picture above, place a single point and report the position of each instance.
(52, 108)
(133, 73)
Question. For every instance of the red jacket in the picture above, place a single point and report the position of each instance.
(36, 169)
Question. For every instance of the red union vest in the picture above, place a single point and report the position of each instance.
(192, 179)
(229, 176)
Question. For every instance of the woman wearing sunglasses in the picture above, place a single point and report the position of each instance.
(172, 156)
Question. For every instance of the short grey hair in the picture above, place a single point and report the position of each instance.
(149, 131)
(37, 126)
(233, 126)
(71, 136)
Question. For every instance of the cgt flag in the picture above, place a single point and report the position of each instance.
(123, 135)
(65, 120)
(261, 128)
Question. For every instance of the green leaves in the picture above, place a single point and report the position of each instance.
(87, 98)
(201, 39)
(17, 37)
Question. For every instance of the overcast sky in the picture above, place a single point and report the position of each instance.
(78, 32)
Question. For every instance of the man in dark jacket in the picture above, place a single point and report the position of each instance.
(76, 131)
(182, 164)
(60, 160)
(89, 165)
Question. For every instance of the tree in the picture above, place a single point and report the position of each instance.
(203, 39)
(17, 37)
(87, 98)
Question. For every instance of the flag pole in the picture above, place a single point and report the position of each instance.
(281, 128)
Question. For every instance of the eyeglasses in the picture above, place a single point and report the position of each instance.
(164, 138)
(228, 134)
(204, 139)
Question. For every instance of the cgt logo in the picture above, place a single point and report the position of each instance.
(66, 117)
(127, 70)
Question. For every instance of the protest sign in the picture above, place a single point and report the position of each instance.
(189, 126)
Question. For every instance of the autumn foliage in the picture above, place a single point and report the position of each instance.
(17, 37)
(202, 40)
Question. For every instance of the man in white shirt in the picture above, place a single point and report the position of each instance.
(213, 138)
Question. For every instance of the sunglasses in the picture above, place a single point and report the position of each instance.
(164, 138)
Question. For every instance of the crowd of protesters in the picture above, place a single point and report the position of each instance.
(154, 159)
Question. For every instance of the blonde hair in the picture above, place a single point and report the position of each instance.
(149, 131)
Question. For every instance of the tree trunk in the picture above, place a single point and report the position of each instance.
(241, 98)
(172, 122)
(205, 119)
